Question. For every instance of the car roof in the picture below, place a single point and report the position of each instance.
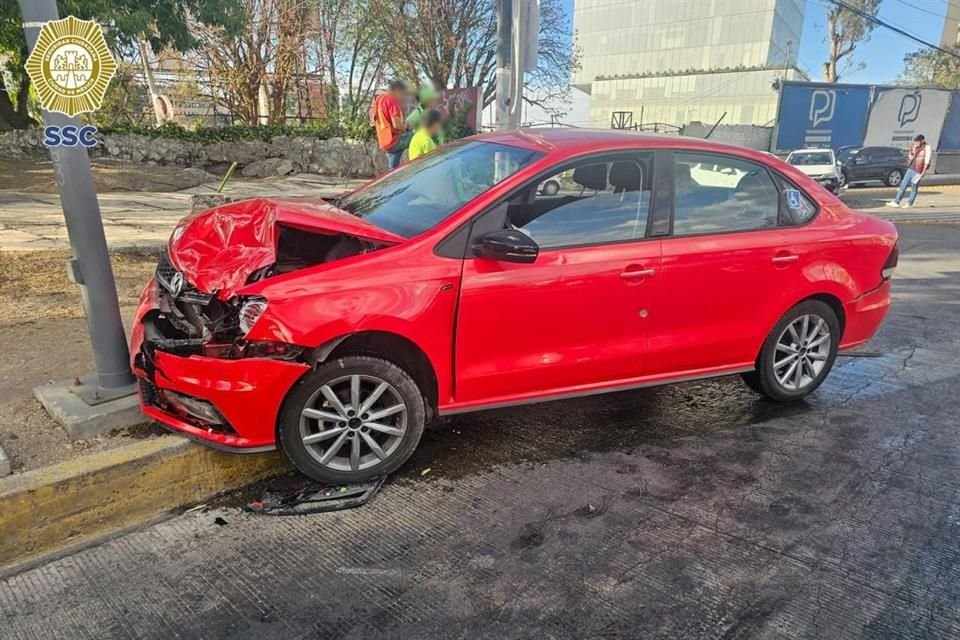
(573, 140)
(818, 150)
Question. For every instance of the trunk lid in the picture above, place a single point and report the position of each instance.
(217, 250)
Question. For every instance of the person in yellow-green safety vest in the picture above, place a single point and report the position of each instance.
(422, 141)
(427, 98)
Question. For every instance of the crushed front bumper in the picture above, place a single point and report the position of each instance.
(247, 393)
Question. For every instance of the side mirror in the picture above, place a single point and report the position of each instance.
(507, 246)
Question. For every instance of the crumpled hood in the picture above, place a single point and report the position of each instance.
(218, 249)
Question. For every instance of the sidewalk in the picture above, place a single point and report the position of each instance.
(32, 221)
(935, 204)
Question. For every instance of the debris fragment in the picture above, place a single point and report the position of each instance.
(315, 498)
(425, 471)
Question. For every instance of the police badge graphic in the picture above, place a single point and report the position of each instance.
(71, 66)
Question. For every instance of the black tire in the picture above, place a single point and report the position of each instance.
(551, 188)
(765, 380)
(844, 178)
(400, 387)
(894, 178)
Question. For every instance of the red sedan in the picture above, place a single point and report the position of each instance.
(337, 328)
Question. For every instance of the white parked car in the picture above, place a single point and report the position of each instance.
(821, 165)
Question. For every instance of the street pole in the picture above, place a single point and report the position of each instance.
(504, 73)
(89, 266)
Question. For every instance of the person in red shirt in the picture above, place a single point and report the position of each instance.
(392, 135)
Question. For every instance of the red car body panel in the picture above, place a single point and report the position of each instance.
(498, 333)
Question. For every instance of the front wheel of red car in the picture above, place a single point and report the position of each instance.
(352, 419)
(798, 354)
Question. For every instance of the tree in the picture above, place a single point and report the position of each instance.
(256, 64)
(453, 43)
(162, 23)
(353, 42)
(846, 30)
(930, 67)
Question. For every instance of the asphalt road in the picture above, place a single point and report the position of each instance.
(693, 511)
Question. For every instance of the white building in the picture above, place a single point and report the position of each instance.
(679, 61)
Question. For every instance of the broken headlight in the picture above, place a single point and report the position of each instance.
(250, 312)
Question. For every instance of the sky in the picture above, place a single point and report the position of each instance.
(883, 54)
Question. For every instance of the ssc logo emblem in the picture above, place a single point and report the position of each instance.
(71, 66)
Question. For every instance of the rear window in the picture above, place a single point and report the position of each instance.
(809, 159)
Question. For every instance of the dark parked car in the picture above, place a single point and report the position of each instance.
(872, 164)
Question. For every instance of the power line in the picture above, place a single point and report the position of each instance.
(883, 23)
(913, 6)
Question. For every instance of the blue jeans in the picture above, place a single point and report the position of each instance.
(908, 182)
(395, 153)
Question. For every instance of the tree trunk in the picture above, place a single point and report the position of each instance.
(15, 116)
(830, 66)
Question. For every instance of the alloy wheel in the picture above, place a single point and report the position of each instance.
(802, 352)
(893, 180)
(353, 423)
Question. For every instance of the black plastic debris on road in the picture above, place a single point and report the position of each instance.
(306, 498)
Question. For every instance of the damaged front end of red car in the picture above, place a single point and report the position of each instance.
(198, 373)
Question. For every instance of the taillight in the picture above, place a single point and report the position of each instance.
(891, 264)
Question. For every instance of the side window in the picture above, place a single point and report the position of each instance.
(799, 208)
(595, 201)
(715, 194)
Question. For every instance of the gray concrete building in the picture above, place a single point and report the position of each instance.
(680, 61)
(951, 26)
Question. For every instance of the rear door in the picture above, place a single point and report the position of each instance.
(728, 266)
(861, 165)
(577, 316)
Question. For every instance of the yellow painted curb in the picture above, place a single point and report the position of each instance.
(77, 501)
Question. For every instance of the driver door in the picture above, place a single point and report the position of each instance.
(576, 317)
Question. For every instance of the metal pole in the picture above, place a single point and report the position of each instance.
(504, 77)
(89, 266)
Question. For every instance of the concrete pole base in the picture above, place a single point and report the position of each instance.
(85, 411)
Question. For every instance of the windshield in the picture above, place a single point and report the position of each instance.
(810, 158)
(420, 194)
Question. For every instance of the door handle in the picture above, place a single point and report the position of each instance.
(637, 274)
(785, 259)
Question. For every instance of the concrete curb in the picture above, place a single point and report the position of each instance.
(74, 502)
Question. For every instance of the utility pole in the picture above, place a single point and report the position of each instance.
(89, 266)
(504, 74)
(151, 85)
(518, 30)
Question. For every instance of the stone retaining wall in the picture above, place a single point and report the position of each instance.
(283, 155)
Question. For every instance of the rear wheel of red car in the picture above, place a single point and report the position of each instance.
(352, 419)
(798, 354)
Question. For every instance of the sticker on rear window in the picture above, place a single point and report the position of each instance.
(793, 199)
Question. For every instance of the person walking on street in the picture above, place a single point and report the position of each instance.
(392, 136)
(918, 161)
(423, 140)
